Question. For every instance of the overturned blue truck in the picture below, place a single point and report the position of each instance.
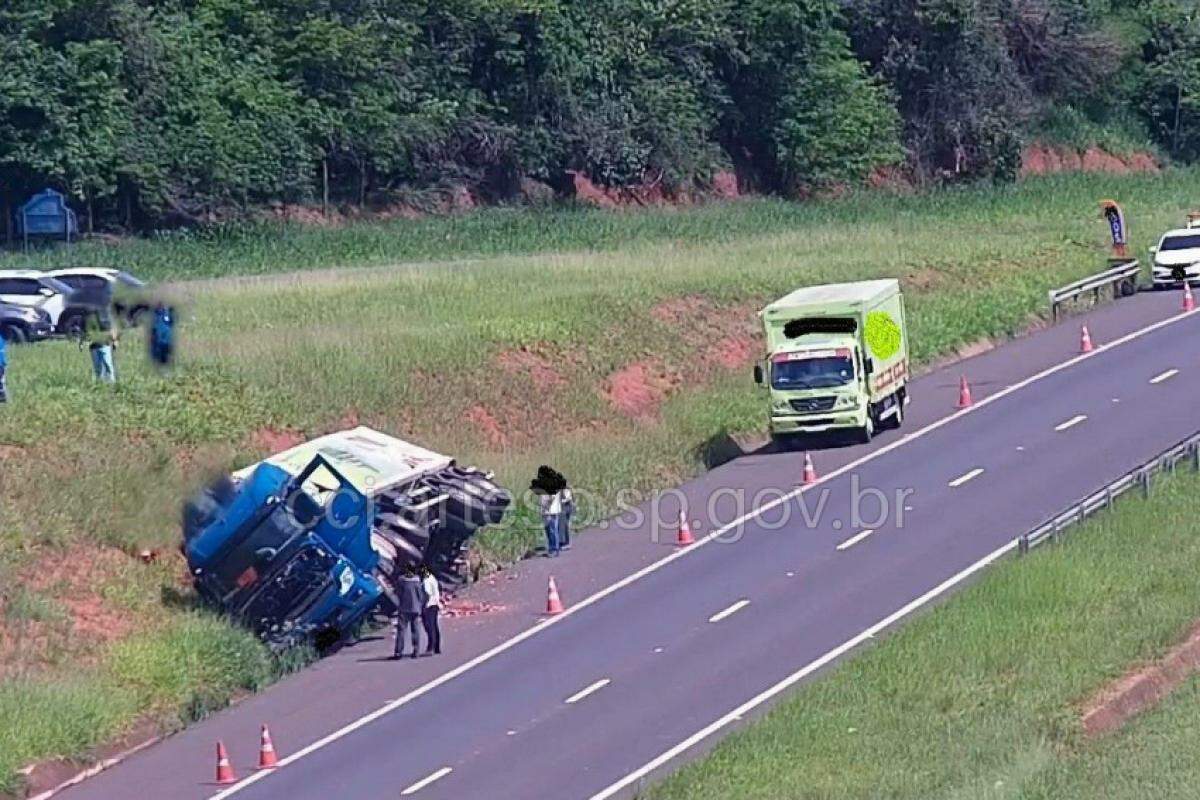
(303, 546)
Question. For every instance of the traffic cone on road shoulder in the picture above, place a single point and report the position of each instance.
(685, 532)
(964, 393)
(1189, 302)
(224, 768)
(266, 751)
(1085, 340)
(553, 601)
(810, 472)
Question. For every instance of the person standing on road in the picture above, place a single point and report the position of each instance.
(548, 486)
(3, 370)
(410, 600)
(564, 522)
(429, 614)
(100, 334)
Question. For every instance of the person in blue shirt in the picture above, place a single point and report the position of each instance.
(162, 335)
(3, 370)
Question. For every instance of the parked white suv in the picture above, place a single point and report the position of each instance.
(102, 286)
(1177, 257)
(33, 289)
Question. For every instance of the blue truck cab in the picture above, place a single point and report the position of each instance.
(289, 556)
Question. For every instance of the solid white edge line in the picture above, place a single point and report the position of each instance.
(587, 690)
(1071, 423)
(733, 609)
(800, 674)
(421, 784)
(1171, 373)
(662, 562)
(855, 539)
(969, 476)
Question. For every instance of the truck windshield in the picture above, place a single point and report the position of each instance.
(1180, 243)
(812, 373)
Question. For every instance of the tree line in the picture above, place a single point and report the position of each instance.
(157, 113)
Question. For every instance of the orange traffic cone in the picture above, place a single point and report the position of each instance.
(553, 602)
(1189, 302)
(266, 751)
(1085, 341)
(810, 473)
(224, 769)
(964, 393)
(685, 532)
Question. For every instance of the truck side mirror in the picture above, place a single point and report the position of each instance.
(868, 366)
(758, 374)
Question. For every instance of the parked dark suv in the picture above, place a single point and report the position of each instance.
(19, 324)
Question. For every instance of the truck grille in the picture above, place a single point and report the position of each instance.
(811, 405)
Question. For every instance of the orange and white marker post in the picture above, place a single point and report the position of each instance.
(684, 537)
(224, 768)
(1085, 340)
(810, 472)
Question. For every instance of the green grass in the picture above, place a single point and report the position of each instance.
(419, 350)
(981, 697)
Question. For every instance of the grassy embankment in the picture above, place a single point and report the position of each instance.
(500, 355)
(982, 697)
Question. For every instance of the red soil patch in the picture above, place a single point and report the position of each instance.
(639, 389)
(731, 352)
(1144, 688)
(681, 310)
(11, 451)
(725, 185)
(526, 361)
(275, 440)
(69, 580)
(488, 425)
(1041, 159)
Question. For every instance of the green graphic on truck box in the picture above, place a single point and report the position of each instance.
(883, 334)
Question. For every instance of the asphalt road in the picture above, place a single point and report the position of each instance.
(586, 705)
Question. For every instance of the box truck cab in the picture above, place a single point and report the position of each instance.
(837, 359)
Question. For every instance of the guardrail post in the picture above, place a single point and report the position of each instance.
(1108, 496)
(1144, 477)
(1196, 456)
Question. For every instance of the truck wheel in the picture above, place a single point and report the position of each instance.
(867, 432)
(13, 334)
(897, 419)
(409, 539)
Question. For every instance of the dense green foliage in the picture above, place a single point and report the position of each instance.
(156, 113)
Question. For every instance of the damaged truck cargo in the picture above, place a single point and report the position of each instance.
(305, 544)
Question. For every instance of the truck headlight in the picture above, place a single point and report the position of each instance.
(345, 580)
(846, 401)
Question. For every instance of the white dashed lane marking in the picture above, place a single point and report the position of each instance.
(1071, 423)
(585, 691)
(733, 609)
(1171, 373)
(961, 479)
(855, 539)
(421, 784)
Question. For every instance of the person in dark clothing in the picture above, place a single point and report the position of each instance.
(564, 520)
(410, 601)
(429, 614)
(3, 370)
(162, 335)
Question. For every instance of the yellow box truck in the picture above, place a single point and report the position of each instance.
(837, 359)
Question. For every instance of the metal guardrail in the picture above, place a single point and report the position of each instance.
(1122, 278)
(1139, 477)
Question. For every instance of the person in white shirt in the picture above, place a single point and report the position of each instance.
(429, 614)
(551, 504)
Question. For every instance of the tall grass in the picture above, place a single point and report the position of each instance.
(417, 350)
(981, 698)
